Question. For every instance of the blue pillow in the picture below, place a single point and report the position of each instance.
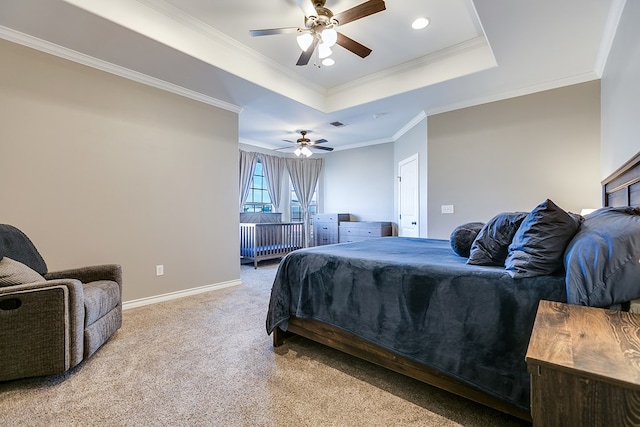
(539, 244)
(603, 259)
(462, 237)
(491, 245)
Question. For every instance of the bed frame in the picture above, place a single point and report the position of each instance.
(269, 240)
(622, 188)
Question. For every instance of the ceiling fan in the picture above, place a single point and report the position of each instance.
(304, 143)
(320, 25)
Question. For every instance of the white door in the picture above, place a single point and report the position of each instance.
(409, 203)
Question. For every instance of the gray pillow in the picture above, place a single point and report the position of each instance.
(491, 246)
(539, 244)
(462, 237)
(15, 273)
(603, 258)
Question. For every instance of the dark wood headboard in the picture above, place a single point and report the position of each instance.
(622, 188)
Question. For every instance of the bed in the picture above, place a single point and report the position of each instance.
(459, 327)
(263, 241)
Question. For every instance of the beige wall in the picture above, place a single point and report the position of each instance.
(513, 154)
(98, 169)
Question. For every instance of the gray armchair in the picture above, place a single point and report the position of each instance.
(51, 321)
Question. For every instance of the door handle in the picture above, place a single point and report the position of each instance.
(414, 223)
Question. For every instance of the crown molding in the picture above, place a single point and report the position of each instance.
(406, 128)
(414, 65)
(445, 65)
(159, 21)
(608, 35)
(255, 143)
(365, 144)
(89, 61)
(184, 18)
(527, 90)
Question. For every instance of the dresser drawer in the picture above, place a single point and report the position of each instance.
(326, 228)
(333, 218)
(326, 239)
(360, 230)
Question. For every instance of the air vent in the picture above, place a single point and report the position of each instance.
(337, 124)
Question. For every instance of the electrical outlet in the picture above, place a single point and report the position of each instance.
(159, 270)
(446, 209)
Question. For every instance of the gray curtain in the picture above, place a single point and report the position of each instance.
(247, 168)
(273, 169)
(304, 175)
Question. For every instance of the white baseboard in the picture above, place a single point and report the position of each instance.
(178, 294)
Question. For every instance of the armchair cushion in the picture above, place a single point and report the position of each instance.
(100, 297)
(16, 273)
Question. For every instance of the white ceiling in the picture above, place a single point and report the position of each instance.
(472, 52)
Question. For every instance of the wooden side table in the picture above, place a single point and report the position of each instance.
(585, 366)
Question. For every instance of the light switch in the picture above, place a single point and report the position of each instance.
(446, 209)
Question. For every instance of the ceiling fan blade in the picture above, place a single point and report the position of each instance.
(320, 147)
(272, 31)
(320, 141)
(352, 45)
(365, 9)
(306, 55)
(307, 7)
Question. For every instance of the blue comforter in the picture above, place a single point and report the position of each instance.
(419, 299)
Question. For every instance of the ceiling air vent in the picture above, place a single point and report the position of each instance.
(337, 124)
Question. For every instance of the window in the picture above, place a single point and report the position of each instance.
(296, 209)
(258, 199)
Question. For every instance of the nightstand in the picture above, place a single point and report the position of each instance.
(585, 366)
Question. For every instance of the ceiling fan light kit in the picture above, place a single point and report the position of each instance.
(320, 31)
(324, 51)
(304, 145)
(304, 150)
(328, 62)
(305, 40)
(329, 36)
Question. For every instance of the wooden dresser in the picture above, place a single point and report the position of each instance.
(325, 228)
(354, 231)
(585, 366)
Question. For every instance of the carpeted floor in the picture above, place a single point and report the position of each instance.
(206, 360)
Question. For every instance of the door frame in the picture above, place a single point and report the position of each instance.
(414, 157)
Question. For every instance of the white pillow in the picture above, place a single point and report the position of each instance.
(16, 273)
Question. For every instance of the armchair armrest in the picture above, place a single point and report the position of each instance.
(90, 274)
(41, 328)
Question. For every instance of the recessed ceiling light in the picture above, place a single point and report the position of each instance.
(328, 62)
(420, 23)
